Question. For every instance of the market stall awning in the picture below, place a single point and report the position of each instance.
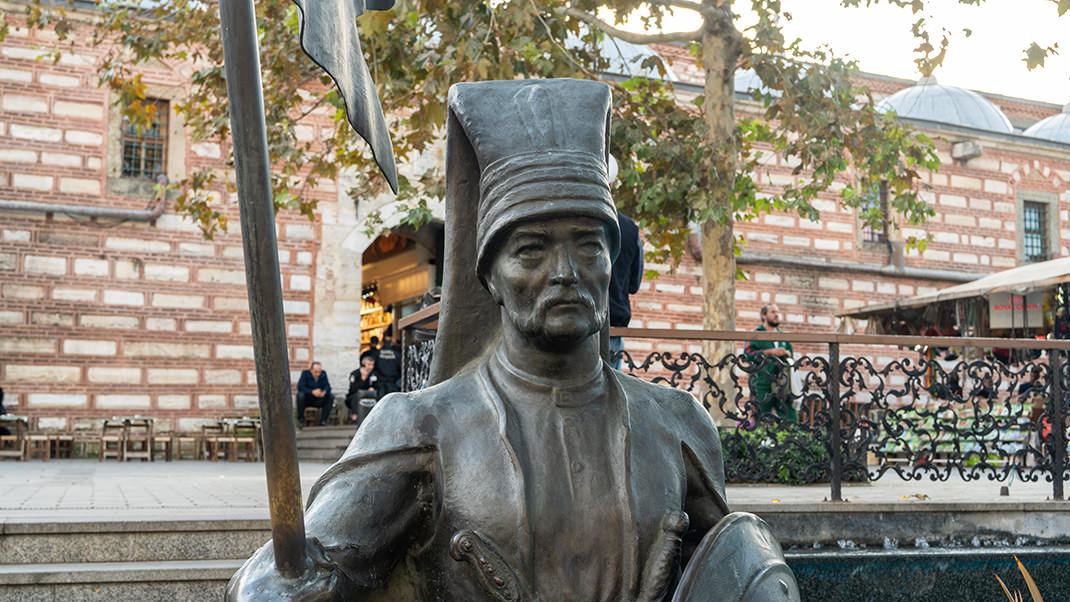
(1019, 281)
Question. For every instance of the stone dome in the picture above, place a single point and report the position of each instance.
(1056, 127)
(930, 101)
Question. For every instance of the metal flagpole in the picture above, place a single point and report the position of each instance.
(241, 58)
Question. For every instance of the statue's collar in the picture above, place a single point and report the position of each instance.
(575, 392)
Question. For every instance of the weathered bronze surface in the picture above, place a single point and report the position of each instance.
(532, 471)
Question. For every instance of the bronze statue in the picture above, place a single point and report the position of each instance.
(532, 471)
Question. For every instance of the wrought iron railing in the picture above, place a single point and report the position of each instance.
(915, 414)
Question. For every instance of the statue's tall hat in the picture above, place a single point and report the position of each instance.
(516, 150)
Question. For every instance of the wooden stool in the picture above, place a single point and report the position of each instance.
(38, 443)
(138, 442)
(312, 416)
(212, 446)
(112, 440)
(186, 443)
(63, 446)
(162, 443)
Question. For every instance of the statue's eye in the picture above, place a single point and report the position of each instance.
(529, 250)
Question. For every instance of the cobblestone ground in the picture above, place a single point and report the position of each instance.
(64, 490)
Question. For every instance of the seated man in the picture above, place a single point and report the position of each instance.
(314, 390)
(363, 384)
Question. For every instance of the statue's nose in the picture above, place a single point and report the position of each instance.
(563, 269)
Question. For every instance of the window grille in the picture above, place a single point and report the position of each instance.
(1034, 231)
(876, 197)
(145, 149)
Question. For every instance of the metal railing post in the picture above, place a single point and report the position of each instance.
(835, 440)
(1058, 430)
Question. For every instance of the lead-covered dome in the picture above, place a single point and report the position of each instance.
(1056, 127)
(931, 101)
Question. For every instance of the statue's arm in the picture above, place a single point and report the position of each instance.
(364, 513)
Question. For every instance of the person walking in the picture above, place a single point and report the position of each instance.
(770, 384)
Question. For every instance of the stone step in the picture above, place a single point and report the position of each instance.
(320, 455)
(326, 432)
(156, 581)
(133, 541)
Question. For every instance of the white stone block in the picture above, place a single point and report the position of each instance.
(206, 149)
(824, 244)
(16, 75)
(88, 347)
(16, 235)
(177, 301)
(935, 255)
(304, 258)
(79, 186)
(127, 269)
(239, 352)
(63, 81)
(222, 377)
(173, 402)
(56, 400)
(201, 250)
(83, 138)
(988, 223)
(137, 244)
(300, 283)
(31, 181)
(946, 237)
(300, 231)
(133, 402)
(231, 304)
(20, 103)
(960, 220)
(40, 264)
(763, 237)
(981, 204)
(27, 345)
(74, 294)
(169, 273)
(113, 374)
(996, 187)
(48, 374)
(79, 110)
(665, 287)
(839, 227)
(11, 317)
(763, 277)
(160, 324)
(17, 155)
(864, 286)
(211, 401)
(22, 291)
(8, 260)
(90, 267)
(786, 299)
(744, 295)
(209, 326)
(216, 276)
(123, 298)
(52, 318)
(166, 349)
(61, 159)
(290, 306)
(172, 376)
(832, 283)
(108, 321)
(36, 132)
(782, 221)
(965, 258)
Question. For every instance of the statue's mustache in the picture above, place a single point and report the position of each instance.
(575, 297)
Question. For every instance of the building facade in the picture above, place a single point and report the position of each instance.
(140, 314)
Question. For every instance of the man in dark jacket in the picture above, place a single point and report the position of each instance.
(624, 280)
(314, 390)
(388, 367)
(770, 385)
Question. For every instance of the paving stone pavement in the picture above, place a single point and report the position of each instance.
(75, 490)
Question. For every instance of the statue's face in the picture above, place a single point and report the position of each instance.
(551, 278)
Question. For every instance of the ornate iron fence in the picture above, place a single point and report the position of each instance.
(830, 418)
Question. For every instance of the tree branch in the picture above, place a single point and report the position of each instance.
(627, 36)
(685, 4)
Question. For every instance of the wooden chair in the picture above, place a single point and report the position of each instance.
(138, 443)
(213, 441)
(13, 445)
(38, 444)
(246, 434)
(186, 443)
(162, 443)
(112, 439)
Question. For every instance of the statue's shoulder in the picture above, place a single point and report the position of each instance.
(665, 402)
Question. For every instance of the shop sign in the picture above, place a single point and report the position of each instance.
(1006, 310)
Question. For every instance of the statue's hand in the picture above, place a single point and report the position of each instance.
(258, 580)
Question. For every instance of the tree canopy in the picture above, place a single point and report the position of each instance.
(682, 162)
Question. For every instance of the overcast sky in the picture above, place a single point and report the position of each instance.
(990, 60)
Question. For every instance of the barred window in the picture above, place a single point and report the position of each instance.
(876, 198)
(145, 148)
(1034, 231)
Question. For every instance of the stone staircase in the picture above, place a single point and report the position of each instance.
(165, 561)
(323, 443)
